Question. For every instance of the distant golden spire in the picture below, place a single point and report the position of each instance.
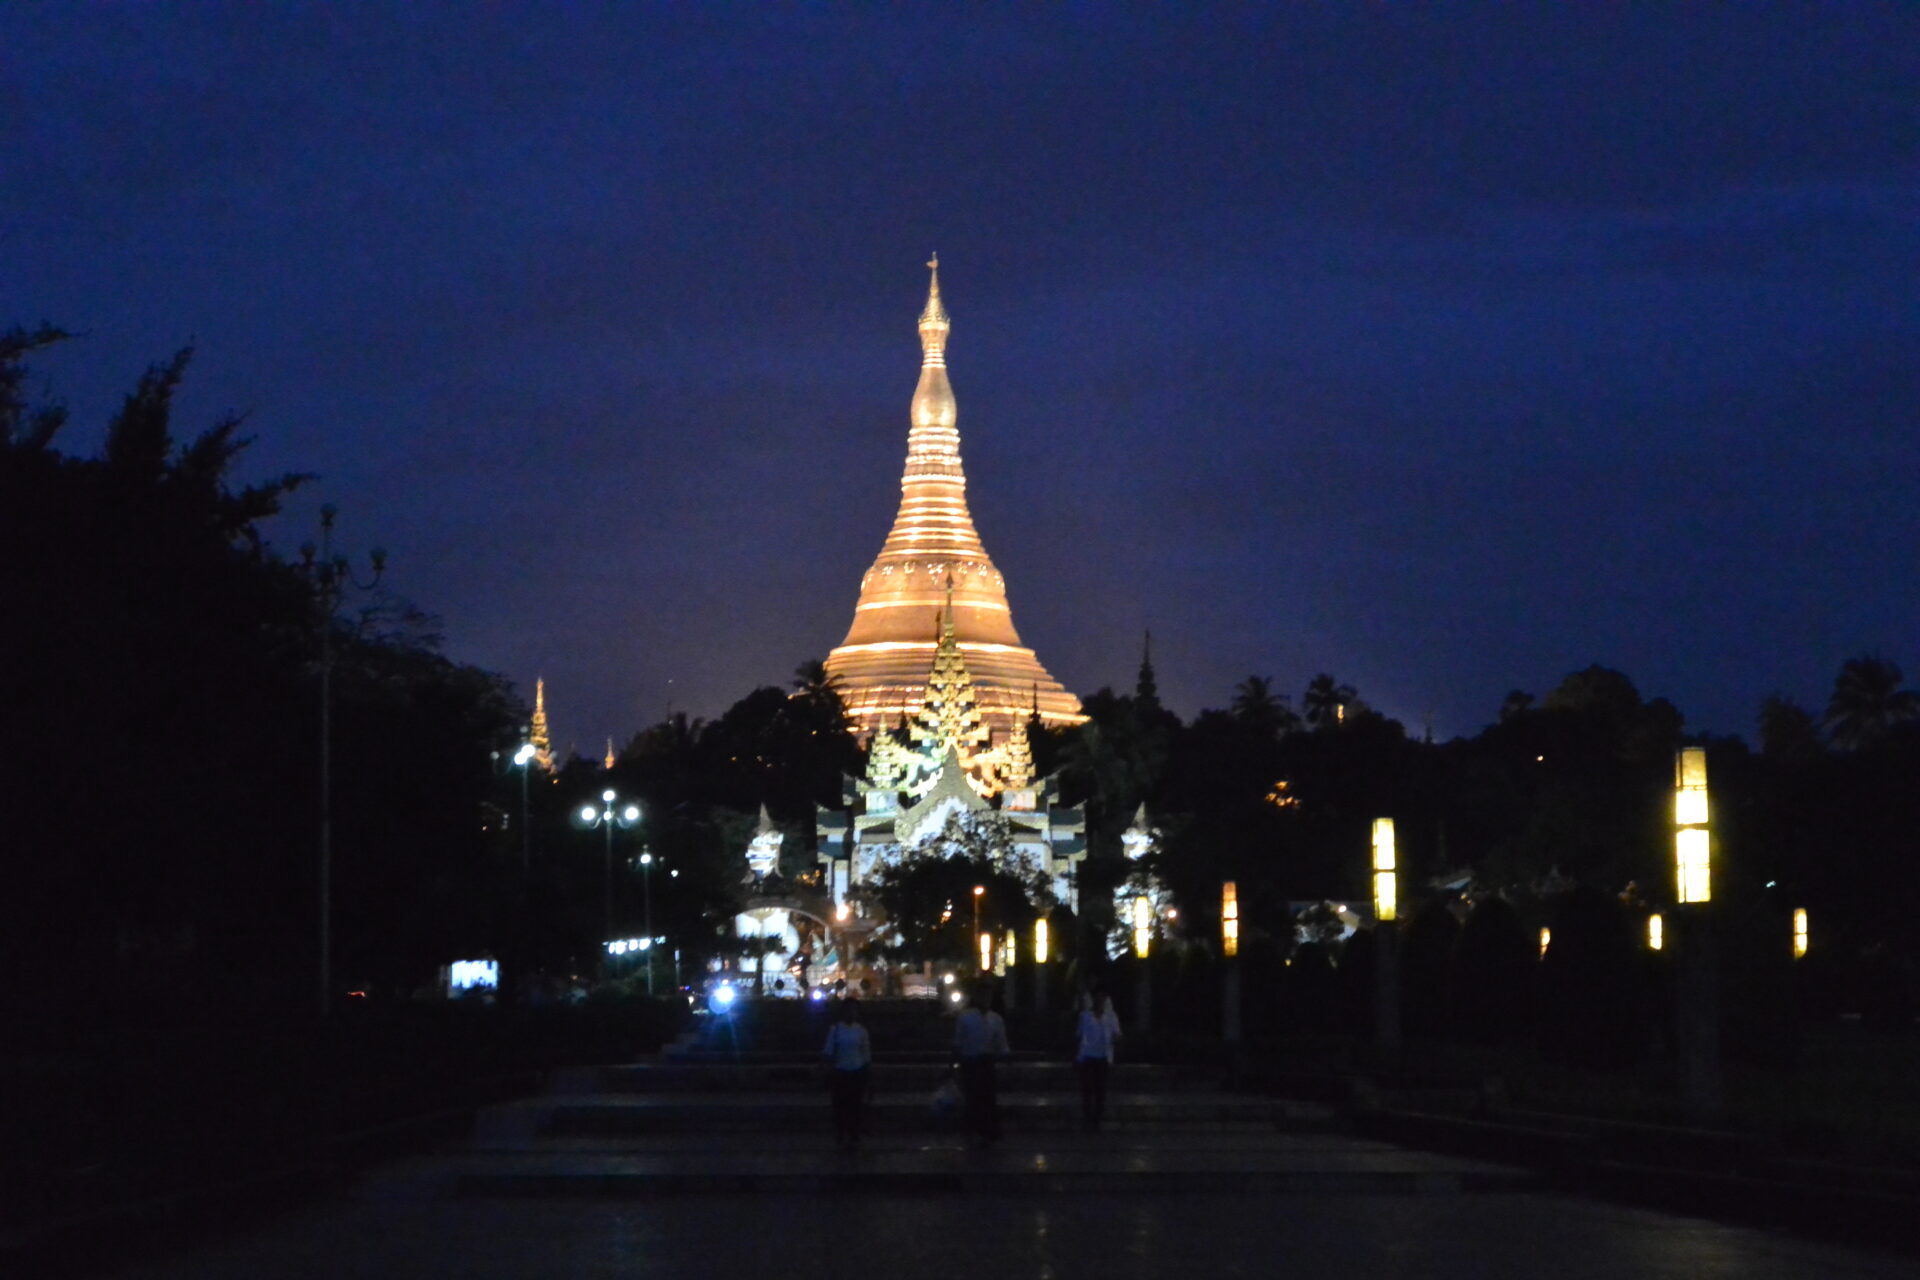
(537, 733)
(609, 761)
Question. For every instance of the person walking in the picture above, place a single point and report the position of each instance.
(1099, 1035)
(979, 1041)
(849, 1055)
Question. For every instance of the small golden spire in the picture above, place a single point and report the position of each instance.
(537, 733)
(609, 761)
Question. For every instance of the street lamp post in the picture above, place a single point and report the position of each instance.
(609, 816)
(646, 872)
(980, 939)
(524, 759)
(1386, 953)
(1698, 1034)
(331, 576)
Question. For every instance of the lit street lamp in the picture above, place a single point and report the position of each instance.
(646, 870)
(1386, 941)
(523, 758)
(609, 816)
(985, 943)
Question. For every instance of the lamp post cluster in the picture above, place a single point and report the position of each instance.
(608, 816)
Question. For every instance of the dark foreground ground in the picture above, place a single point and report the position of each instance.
(1411, 1218)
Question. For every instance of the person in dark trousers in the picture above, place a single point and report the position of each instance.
(849, 1055)
(979, 1041)
(1099, 1031)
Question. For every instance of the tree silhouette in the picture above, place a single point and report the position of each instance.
(1867, 703)
(1325, 701)
(1260, 709)
(1787, 729)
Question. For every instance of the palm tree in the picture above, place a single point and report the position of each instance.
(1867, 703)
(1257, 706)
(1325, 703)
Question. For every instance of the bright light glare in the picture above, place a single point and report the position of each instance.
(524, 754)
(722, 997)
(818, 993)
(1690, 850)
(986, 952)
(646, 859)
(1656, 931)
(1040, 941)
(1386, 895)
(1799, 932)
(588, 813)
(631, 813)
(607, 796)
(955, 997)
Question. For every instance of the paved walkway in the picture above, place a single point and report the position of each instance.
(1040, 1207)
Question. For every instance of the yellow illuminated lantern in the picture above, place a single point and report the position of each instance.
(1546, 940)
(1799, 932)
(1385, 883)
(1656, 931)
(1040, 940)
(1013, 948)
(1142, 925)
(1229, 919)
(1693, 861)
(986, 953)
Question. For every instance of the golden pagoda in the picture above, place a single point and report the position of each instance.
(537, 735)
(881, 668)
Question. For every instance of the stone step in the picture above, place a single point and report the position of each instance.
(888, 1076)
(786, 1113)
(1019, 1165)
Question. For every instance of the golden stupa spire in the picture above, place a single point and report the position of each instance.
(609, 759)
(934, 324)
(537, 732)
(882, 667)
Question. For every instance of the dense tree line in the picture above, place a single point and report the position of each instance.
(159, 813)
(1566, 793)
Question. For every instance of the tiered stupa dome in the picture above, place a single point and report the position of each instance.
(881, 668)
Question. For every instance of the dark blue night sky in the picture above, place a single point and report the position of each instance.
(1445, 348)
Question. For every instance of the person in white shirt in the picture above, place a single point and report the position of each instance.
(849, 1054)
(1099, 1034)
(980, 1040)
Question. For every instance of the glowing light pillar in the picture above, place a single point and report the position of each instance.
(1386, 942)
(1040, 956)
(1142, 950)
(1698, 1034)
(1693, 860)
(1230, 952)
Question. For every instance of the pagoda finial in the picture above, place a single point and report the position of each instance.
(609, 761)
(934, 324)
